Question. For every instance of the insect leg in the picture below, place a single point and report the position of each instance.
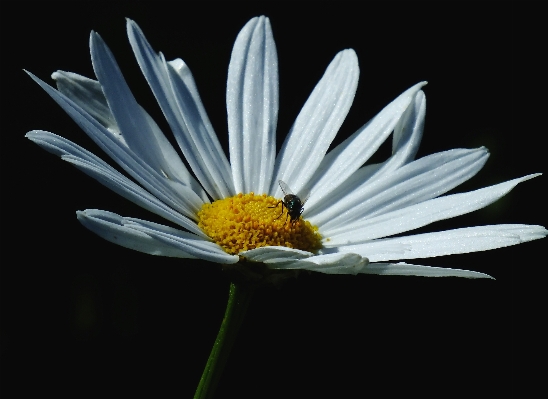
(279, 202)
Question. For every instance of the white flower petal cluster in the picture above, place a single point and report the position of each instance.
(361, 209)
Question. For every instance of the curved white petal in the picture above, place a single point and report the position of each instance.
(336, 263)
(405, 144)
(60, 146)
(317, 124)
(141, 133)
(407, 136)
(175, 91)
(418, 181)
(94, 167)
(375, 249)
(88, 94)
(289, 258)
(187, 242)
(419, 215)
(110, 226)
(178, 196)
(340, 163)
(458, 241)
(252, 106)
(274, 253)
(405, 269)
(129, 190)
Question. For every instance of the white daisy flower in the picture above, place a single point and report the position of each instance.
(353, 213)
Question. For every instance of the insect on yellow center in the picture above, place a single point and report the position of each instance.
(248, 221)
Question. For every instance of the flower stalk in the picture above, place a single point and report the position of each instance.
(239, 297)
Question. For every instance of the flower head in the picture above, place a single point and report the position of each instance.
(353, 213)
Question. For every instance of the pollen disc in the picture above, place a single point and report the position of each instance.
(248, 221)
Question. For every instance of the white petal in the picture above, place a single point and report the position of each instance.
(129, 190)
(252, 106)
(196, 126)
(317, 123)
(109, 177)
(407, 136)
(419, 215)
(418, 181)
(178, 196)
(88, 94)
(405, 143)
(405, 269)
(351, 154)
(141, 133)
(458, 241)
(336, 263)
(176, 93)
(289, 258)
(375, 249)
(60, 146)
(186, 242)
(274, 253)
(110, 226)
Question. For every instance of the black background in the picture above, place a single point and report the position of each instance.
(82, 316)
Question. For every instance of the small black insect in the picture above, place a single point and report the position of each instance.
(292, 202)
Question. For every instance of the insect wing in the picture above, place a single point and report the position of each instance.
(285, 188)
(305, 197)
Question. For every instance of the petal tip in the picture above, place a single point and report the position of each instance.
(31, 135)
(94, 39)
(57, 75)
(132, 27)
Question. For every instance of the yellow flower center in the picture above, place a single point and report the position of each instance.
(248, 221)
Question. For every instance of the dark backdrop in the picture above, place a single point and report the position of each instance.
(80, 315)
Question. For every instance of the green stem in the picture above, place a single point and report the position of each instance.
(238, 300)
